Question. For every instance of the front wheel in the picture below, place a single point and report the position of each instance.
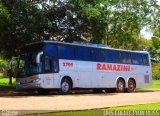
(65, 86)
(120, 86)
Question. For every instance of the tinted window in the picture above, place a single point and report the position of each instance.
(112, 56)
(51, 50)
(137, 58)
(55, 66)
(94, 55)
(125, 57)
(102, 56)
(145, 59)
(82, 53)
(66, 52)
(48, 64)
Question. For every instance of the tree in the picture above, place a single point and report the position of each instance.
(25, 25)
(116, 23)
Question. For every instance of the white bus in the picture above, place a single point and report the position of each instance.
(49, 65)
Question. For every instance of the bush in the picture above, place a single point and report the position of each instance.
(156, 72)
(3, 66)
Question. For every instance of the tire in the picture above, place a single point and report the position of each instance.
(65, 86)
(120, 88)
(131, 86)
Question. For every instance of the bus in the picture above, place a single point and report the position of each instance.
(53, 65)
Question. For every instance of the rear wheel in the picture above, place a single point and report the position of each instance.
(131, 86)
(120, 86)
(65, 86)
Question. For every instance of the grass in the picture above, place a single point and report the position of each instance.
(4, 82)
(100, 112)
(138, 107)
(155, 85)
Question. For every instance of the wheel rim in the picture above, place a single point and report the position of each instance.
(65, 87)
(121, 86)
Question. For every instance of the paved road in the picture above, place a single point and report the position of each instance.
(76, 101)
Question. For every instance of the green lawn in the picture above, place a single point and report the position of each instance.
(100, 112)
(155, 85)
(138, 107)
(4, 82)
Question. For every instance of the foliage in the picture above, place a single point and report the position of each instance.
(156, 72)
(156, 48)
(3, 63)
(155, 86)
(4, 83)
(3, 66)
(116, 23)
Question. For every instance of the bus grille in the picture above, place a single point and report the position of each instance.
(146, 78)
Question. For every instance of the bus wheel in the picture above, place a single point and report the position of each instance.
(120, 86)
(65, 86)
(131, 86)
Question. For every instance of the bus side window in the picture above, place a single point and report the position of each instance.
(137, 59)
(113, 56)
(145, 59)
(66, 52)
(102, 56)
(55, 66)
(51, 50)
(125, 57)
(94, 55)
(82, 54)
(48, 64)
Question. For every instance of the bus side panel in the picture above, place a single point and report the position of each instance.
(68, 68)
(143, 76)
(97, 79)
(84, 73)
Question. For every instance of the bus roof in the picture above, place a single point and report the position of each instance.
(85, 45)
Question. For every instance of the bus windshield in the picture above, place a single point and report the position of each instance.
(27, 65)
